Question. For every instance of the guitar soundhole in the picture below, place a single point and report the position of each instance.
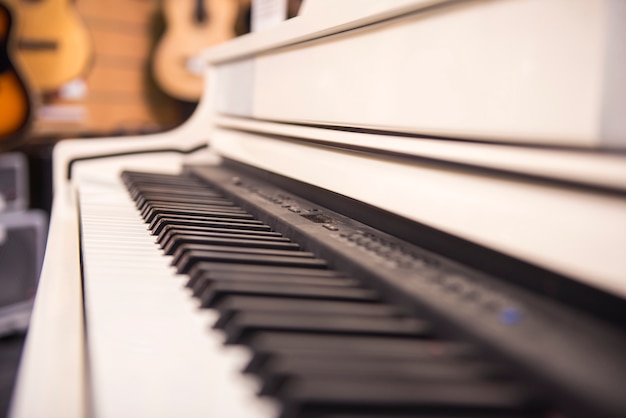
(36, 45)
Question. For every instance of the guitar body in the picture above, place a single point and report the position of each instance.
(185, 37)
(54, 46)
(14, 99)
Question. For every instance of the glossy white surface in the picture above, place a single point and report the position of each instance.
(51, 382)
(585, 167)
(316, 18)
(471, 71)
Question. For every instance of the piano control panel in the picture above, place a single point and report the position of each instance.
(418, 266)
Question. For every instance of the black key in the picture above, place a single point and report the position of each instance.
(197, 251)
(179, 192)
(175, 190)
(205, 270)
(146, 199)
(170, 230)
(183, 192)
(217, 290)
(192, 218)
(133, 179)
(154, 187)
(152, 213)
(187, 255)
(158, 226)
(150, 175)
(230, 306)
(302, 279)
(242, 326)
(155, 204)
(187, 261)
(278, 371)
(227, 240)
(208, 215)
(171, 181)
(180, 182)
(200, 284)
(143, 201)
(389, 396)
(265, 345)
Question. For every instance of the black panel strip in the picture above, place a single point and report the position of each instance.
(417, 135)
(549, 284)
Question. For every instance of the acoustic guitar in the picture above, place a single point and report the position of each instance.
(53, 45)
(15, 110)
(191, 26)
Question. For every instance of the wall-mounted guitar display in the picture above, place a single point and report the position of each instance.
(52, 42)
(192, 25)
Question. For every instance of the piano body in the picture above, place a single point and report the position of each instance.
(487, 134)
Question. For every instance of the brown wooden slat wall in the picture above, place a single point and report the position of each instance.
(119, 84)
(120, 93)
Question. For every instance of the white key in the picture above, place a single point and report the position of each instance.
(151, 351)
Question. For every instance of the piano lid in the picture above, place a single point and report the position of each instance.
(521, 72)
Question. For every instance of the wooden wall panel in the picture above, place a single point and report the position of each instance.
(118, 80)
(127, 118)
(111, 43)
(133, 12)
(120, 94)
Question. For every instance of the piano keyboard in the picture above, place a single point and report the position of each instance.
(275, 330)
(163, 360)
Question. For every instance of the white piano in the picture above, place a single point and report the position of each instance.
(496, 124)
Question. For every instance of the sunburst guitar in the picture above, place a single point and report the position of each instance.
(15, 107)
(53, 43)
(191, 26)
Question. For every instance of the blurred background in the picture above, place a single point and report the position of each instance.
(88, 68)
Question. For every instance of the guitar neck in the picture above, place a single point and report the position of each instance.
(37, 44)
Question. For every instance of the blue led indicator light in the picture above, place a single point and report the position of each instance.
(510, 316)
